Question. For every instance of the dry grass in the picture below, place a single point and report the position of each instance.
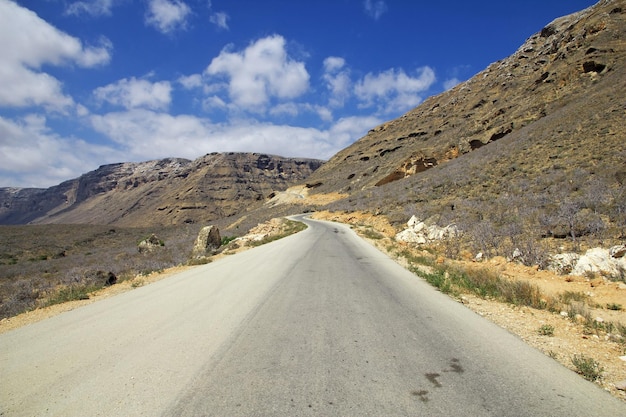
(46, 264)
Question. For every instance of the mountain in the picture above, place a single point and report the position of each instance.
(566, 82)
(167, 191)
(525, 157)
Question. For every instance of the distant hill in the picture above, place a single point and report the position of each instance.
(162, 192)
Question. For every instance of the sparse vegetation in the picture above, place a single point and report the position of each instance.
(485, 283)
(71, 293)
(588, 367)
(70, 261)
(546, 330)
(370, 233)
(614, 306)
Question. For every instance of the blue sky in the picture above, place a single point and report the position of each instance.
(92, 82)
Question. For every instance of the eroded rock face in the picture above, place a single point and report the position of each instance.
(208, 241)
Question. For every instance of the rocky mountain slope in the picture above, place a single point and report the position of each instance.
(167, 191)
(526, 155)
(570, 76)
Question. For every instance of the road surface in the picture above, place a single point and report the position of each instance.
(316, 324)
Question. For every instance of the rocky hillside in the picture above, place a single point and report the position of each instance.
(167, 191)
(528, 149)
(569, 76)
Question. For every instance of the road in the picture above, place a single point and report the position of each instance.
(316, 324)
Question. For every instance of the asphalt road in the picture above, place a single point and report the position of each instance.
(319, 323)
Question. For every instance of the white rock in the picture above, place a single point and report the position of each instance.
(618, 251)
(600, 261)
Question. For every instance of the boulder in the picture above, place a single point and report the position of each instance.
(111, 279)
(208, 241)
(418, 233)
(149, 244)
(563, 263)
(600, 261)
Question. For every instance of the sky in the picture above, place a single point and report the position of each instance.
(94, 82)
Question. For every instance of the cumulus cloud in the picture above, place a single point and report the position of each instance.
(92, 8)
(146, 134)
(167, 15)
(375, 8)
(190, 82)
(393, 90)
(259, 73)
(34, 156)
(132, 92)
(28, 43)
(338, 80)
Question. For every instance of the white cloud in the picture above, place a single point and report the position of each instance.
(33, 156)
(27, 43)
(92, 7)
(290, 109)
(167, 15)
(333, 64)
(220, 19)
(394, 90)
(261, 72)
(190, 82)
(214, 102)
(348, 129)
(133, 92)
(375, 8)
(146, 134)
(337, 80)
(451, 83)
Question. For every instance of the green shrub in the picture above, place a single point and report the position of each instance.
(589, 368)
(227, 239)
(546, 330)
(72, 293)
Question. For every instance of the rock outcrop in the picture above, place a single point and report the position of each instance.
(610, 263)
(149, 244)
(417, 232)
(207, 242)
